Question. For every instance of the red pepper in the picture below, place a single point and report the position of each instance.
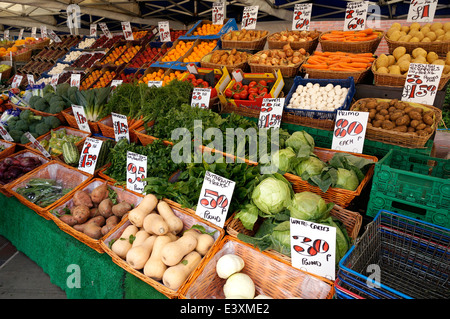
(243, 95)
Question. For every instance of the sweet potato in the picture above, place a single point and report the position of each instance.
(105, 208)
(121, 209)
(99, 193)
(80, 213)
(81, 197)
(68, 219)
(111, 222)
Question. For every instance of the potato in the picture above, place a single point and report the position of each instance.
(401, 128)
(414, 39)
(394, 69)
(404, 28)
(446, 26)
(431, 57)
(376, 123)
(436, 26)
(391, 59)
(121, 208)
(110, 223)
(446, 69)
(383, 70)
(420, 127)
(420, 59)
(93, 231)
(426, 40)
(394, 116)
(80, 213)
(94, 212)
(98, 220)
(438, 62)
(387, 125)
(404, 66)
(105, 208)
(419, 35)
(418, 52)
(81, 197)
(403, 120)
(382, 61)
(395, 35)
(99, 193)
(431, 35)
(415, 25)
(427, 119)
(425, 29)
(399, 52)
(414, 123)
(392, 29)
(405, 38)
(414, 115)
(446, 36)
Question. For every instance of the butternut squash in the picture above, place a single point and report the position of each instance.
(176, 275)
(175, 223)
(154, 267)
(204, 241)
(140, 237)
(155, 224)
(173, 252)
(123, 244)
(146, 206)
(138, 255)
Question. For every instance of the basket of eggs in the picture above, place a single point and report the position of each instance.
(307, 40)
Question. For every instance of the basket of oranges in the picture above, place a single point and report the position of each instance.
(161, 74)
(199, 50)
(205, 28)
(178, 51)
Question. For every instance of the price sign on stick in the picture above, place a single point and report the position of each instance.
(157, 84)
(218, 12)
(136, 171)
(215, 198)
(36, 144)
(271, 113)
(302, 16)
(34, 32)
(356, 16)
(89, 155)
(43, 32)
(75, 79)
(80, 117)
(105, 30)
(93, 30)
(200, 97)
(422, 82)
(16, 81)
(127, 32)
(54, 80)
(20, 34)
(120, 125)
(164, 31)
(350, 131)
(249, 17)
(5, 135)
(54, 36)
(115, 83)
(313, 247)
(30, 78)
(6, 35)
(422, 11)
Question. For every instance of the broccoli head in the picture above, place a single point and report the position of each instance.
(29, 116)
(16, 135)
(56, 107)
(41, 105)
(52, 121)
(32, 101)
(48, 89)
(49, 96)
(61, 89)
(56, 98)
(42, 128)
(21, 125)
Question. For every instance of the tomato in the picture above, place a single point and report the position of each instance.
(252, 84)
(237, 86)
(243, 95)
(213, 93)
(236, 96)
(252, 90)
(262, 83)
(262, 90)
(228, 93)
(252, 96)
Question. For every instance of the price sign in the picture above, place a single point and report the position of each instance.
(422, 11)
(120, 125)
(54, 36)
(422, 82)
(36, 144)
(30, 78)
(271, 113)
(164, 31)
(200, 97)
(115, 83)
(34, 32)
(313, 247)
(237, 75)
(75, 79)
(356, 16)
(127, 32)
(5, 135)
(157, 84)
(192, 68)
(20, 34)
(105, 30)
(249, 17)
(89, 155)
(16, 81)
(6, 35)
(54, 80)
(136, 171)
(218, 12)
(215, 198)
(80, 117)
(93, 30)
(350, 131)
(43, 32)
(302, 16)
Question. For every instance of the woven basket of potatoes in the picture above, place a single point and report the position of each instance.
(431, 37)
(391, 69)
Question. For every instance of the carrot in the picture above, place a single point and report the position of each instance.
(316, 66)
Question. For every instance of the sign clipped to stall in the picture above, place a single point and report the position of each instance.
(89, 155)
(271, 113)
(215, 198)
(115, 83)
(164, 31)
(6, 34)
(30, 78)
(192, 68)
(54, 80)
(356, 16)
(34, 32)
(157, 84)
(20, 34)
(127, 32)
(16, 81)
(5, 135)
(136, 171)
(43, 32)
(93, 30)
(105, 30)
(302, 16)
(422, 82)
(422, 11)
(249, 17)
(313, 247)
(37, 144)
(350, 131)
(200, 97)
(120, 125)
(218, 12)
(75, 79)
(80, 117)
(54, 36)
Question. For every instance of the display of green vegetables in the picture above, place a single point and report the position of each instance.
(43, 191)
(57, 139)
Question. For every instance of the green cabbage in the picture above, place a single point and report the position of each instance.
(309, 167)
(300, 140)
(309, 206)
(248, 216)
(272, 195)
(346, 179)
(282, 159)
(343, 241)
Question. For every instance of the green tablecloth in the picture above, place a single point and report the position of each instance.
(76, 268)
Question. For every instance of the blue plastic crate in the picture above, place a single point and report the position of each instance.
(230, 24)
(315, 114)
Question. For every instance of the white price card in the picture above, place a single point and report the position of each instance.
(34, 32)
(5, 135)
(30, 78)
(20, 34)
(356, 16)
(157, 84)
(215, 198)
(192, 68)
(115, 83)
(105, 29)
(136, 171)
(422, 82)
(43, 32)
(75, 79)
(54, 80)
(80, 117)
(302, 16)
(16, 81)
(93, 30)
(237, 75)
(120, 125)
(89, 155)
(54, 36)
(127, 32)
(218, 12)
(249, 17)
(164, 31)
(6, 35)
(313, 247)
(422, 11)
(200, 97)
(37, 144)
(350, 131)
(271, 113)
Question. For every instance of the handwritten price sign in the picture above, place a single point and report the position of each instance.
(16, 81)
(136, 171)
(157, 84)
(302, 16)
(422, 10)
(80, 117)
(127, 32)
(115, 83)
(6, 35)
(54, 36)
(164, 31)
(350, 131)
(5, 135)
(43, 31)
(356, 16)
(93, 30)
(249, 17)
(120, 124)
(105, 30)
(20, 34)
(30, 78)
(422, 83)
(34, 32)
(200, 97)
(218, 12)
(89, 155)
(75, 79)
(36, 144)
(215, 198)
(271, 113)
(54, 80)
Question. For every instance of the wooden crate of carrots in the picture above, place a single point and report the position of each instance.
(351, 41)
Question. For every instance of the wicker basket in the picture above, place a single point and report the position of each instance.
(358, 76)
(105, 126)
(189, 220)
(122, 195)
(59, 115)
(323, 124)
(286, 71)
(310, 46)
(69, 176)
(206, 63)
(144, 138)
(10, 147)
(272, 277)
(5, 75)
(407, 140)
(439, 47)
(339, 196)
(38, 45)
(72, 122)
(256, 45)
(23, 57)
(355, 47)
